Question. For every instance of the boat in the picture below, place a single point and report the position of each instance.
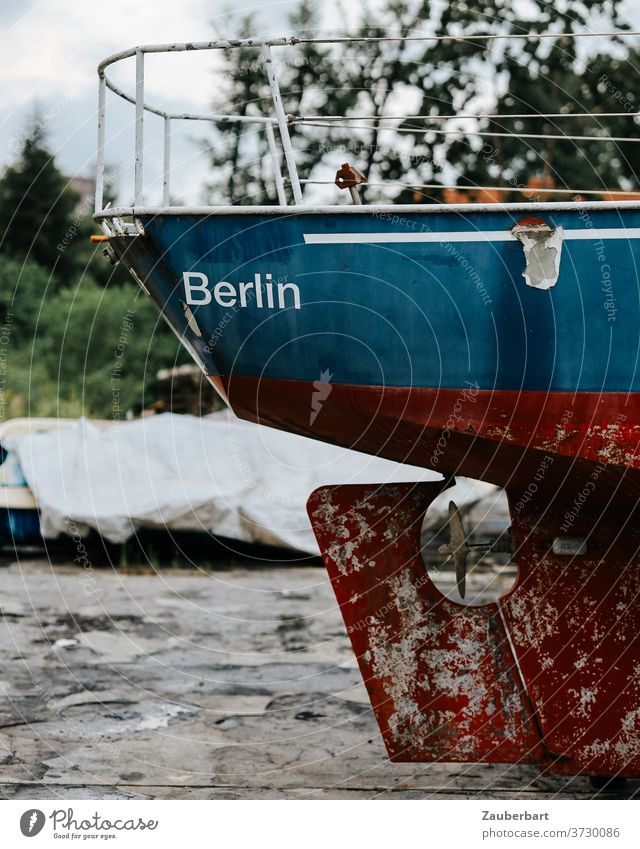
(19, 519)
(20, 514)
(498, 341)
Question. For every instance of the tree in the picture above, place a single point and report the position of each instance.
(70, 345)
(103, 347)
(373, 82)
(40, 219)
(36, 207)
(562, 74)
(87, 350)
(310, 81)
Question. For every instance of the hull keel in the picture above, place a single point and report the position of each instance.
(549, 675)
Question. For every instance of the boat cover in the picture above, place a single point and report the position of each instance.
(216, 473)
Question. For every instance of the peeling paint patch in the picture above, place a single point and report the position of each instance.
(542, 251)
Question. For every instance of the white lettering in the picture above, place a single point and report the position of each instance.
(282, 288)
(269, 289)
(244, 287)
(258, 291)
(196, 288)
(225, 294)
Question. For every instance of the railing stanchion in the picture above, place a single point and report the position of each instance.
(102, 91)
(139, 138)
(166, 198)
(282, 123)
(277, 170)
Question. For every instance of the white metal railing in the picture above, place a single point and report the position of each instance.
(142, 106)
(284, 121)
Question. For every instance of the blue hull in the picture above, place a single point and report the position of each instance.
(441, 313)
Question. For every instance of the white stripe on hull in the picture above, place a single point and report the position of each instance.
(473, 236)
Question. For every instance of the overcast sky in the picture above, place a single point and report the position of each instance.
(50, 50)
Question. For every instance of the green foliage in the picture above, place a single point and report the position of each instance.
(310, 84)
(538, 75)
(80, 350)
(440, 80)
(36, 207)
(74, 341)
(40, 218)
(112, 341)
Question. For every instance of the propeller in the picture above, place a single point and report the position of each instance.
(457, 547)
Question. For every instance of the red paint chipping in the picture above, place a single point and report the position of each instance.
(443, 680)
(441, 677)
(531, 221)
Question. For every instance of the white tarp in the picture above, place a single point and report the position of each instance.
(216, 473)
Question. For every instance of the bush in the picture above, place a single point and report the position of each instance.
(78, 350)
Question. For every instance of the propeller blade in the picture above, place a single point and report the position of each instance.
(457, 547)
(461, 573)
(457, 537)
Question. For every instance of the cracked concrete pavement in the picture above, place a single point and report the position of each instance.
(238, 683)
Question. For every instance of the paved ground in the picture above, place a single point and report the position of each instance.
(238, 683)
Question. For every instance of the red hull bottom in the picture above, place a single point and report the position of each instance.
(549, 674)
(528, 443)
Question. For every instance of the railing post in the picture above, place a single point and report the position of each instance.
(275, 160)
(99, 200)
(282, 123)
(139, 136)
(166, 198)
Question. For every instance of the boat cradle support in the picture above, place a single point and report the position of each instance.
(550, 674)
